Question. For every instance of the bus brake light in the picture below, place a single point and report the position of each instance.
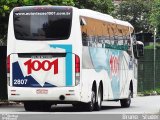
(8, 64)
(77, 69)
(77, 64)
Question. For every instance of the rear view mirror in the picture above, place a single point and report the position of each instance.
(138, 49)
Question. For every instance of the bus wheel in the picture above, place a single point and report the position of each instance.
(90, 106)
(126, 102)
(46, 107)
(78, 106)
(98, 104)
(29, 106)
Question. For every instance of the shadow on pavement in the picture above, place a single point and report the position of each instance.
(72, 109)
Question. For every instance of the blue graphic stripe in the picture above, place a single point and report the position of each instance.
(69, 69)
(68, 60)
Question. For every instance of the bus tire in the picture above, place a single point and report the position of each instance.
(77, 105)
(46, 108)
(98, 104)
(126, 102)
(91, 105)
(29, 106)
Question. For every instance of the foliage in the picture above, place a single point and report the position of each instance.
(158, 91)
(104, 6)
(155, 16)
(147, 92)
(151, 92)
(152, 46)
(137, 12)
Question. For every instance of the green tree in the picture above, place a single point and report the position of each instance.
(155, 16)
(7, 5)
(136, 12)
(104, 6)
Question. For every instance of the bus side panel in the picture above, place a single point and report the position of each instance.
(135, 65)
(110, 66)
(89, 75)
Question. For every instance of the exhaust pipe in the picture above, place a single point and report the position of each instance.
(61, 97)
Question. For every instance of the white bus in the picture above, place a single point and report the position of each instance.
(66, 55)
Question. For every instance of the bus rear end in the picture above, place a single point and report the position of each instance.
(41, 63)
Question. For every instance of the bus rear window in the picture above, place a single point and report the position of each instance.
(43, 23)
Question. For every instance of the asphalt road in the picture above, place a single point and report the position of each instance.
(139, 105)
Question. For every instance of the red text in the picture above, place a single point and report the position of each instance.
(46, 65)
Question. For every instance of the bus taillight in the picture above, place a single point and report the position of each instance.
(8, 64)
(77, 64)
(77, 69)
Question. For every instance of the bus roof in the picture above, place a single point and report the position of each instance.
(124, 23)
(104, 17)
(96, 15)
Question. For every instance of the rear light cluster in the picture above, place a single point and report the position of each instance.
(8, 70)
(8, 64)
(77, 69)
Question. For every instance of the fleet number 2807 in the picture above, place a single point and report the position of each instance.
(20, 81)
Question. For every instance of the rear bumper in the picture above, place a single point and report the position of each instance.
(44, 94)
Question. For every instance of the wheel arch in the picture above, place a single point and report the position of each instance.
(131, 87)
(94, 86)
(101, 87)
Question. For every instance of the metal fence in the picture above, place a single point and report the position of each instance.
(146, 70)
